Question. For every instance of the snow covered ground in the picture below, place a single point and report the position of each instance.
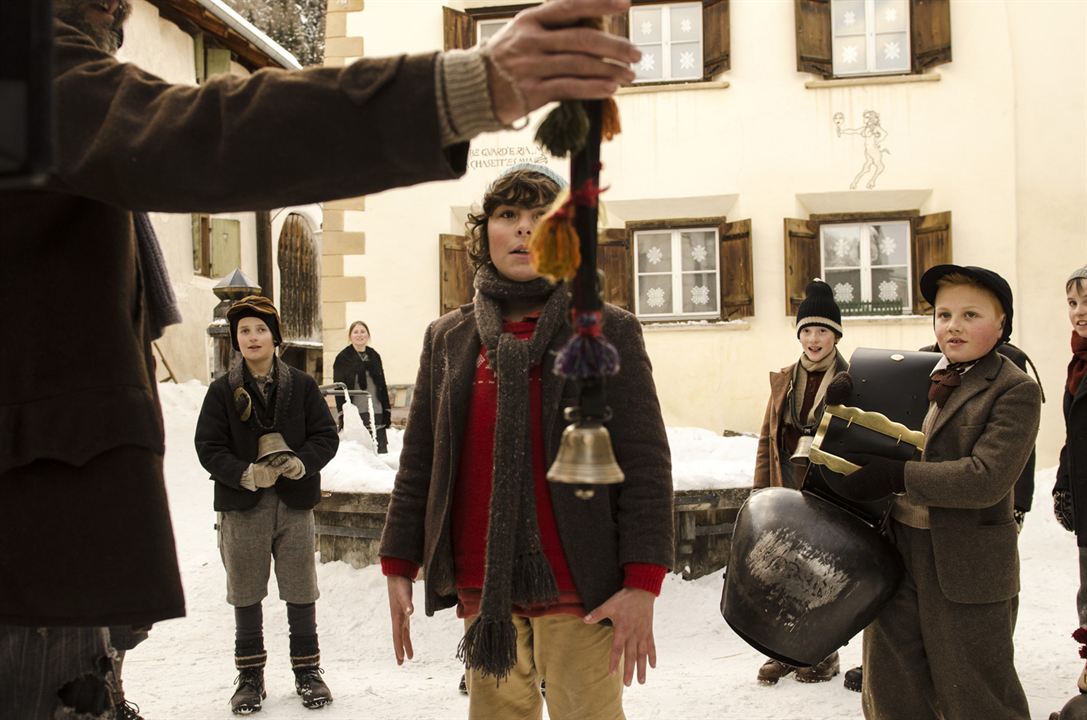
(185, 670)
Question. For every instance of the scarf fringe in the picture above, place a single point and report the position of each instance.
(489, 646)
(533, 581)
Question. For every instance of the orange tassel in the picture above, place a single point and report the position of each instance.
(609, 120)
(553, 245)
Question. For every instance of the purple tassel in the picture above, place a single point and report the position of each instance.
(588, 354)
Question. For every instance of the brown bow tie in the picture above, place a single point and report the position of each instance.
(944, 383)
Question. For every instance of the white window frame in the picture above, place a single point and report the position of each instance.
(500, 22)
(666, 41)
(870, 49)
(677, 272)
(866, 265)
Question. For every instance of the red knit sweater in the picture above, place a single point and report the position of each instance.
(472, 493)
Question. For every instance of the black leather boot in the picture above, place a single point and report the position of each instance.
(247, 698)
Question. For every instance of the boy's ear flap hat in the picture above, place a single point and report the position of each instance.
(986, 278)
(256, 306)
(819, 309)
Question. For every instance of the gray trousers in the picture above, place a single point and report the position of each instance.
(926, 657)
(55, 673)
(250, 539)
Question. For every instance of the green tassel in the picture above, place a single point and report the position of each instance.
(565, 129)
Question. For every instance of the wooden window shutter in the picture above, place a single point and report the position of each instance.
(931, 246)
(618, 24)
(614, 259)
(455, 273)
(801, 260)
(737, 278)
(459, 29)
(216, 62)
(814, 44)
(715, 38)
(930, 23)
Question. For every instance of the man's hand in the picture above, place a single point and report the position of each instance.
(1063, 509)
(631, 615)
(263, 474)
(400, 610)
(877, 478)
(538, 57)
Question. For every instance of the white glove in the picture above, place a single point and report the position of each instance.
(263, 474)
(293, 468)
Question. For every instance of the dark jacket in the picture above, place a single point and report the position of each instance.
(974, 454)
(1024, 486)
(629, 522)
(126, 140)
(349, 369)
(226, 445)
(1072, 470)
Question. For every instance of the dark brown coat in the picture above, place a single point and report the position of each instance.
(973, 456)
(630, 522)
(768, 455)
(76, 374)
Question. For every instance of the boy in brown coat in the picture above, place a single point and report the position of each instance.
(533, 569)
(942, 647)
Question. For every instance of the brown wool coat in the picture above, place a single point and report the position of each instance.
(768, 455)
(974, 454)
(72, 288)
(630, 522)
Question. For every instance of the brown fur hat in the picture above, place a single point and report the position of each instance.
(256, 306)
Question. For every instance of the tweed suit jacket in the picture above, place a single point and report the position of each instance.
(974, 454)
(629, 522)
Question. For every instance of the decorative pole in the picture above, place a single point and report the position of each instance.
(563, 246)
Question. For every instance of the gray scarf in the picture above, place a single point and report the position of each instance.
(161, 303)
(830, 366)
(516, 568)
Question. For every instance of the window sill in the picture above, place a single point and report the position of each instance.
(686, 325)
(672, 87)
(873, 80)
(887, 319)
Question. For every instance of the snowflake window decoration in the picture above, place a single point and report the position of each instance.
(654, 297)
(888, 291)
(849, 54)
(686, 60)
(843, 292)
(887, 246)
(654, 255)
(891, 51)
(648, 63)
(685, 26)
(849, 18)
(891, 15)
(698, 253)
(842, 248)
(647, 28)
(700, 295)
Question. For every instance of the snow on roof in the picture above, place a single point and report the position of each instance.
(251, 33)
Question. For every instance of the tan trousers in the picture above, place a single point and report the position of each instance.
(572, 656)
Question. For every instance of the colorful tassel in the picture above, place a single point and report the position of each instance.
(588, 354)
(553, 246)
(609, 120)
(565, 129)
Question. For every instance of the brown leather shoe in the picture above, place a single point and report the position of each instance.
(773, 670)
(822, 671)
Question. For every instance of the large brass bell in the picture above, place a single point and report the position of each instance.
(585, 457)
(271, 444)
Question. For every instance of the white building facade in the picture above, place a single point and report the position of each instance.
(765, 143)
